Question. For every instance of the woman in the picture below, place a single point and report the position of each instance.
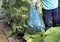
(50, 10)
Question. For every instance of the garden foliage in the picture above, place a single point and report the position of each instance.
(16, 14)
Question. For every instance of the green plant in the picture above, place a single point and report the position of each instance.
(52, 35)
(17, 12)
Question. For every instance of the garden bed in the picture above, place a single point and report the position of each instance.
(6, 34)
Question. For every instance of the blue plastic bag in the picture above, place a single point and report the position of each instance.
(34, 21)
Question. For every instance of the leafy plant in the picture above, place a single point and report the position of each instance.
(52, 35)
(16, 14)
(36, 37)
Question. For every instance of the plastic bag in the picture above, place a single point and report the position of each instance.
(34, 21)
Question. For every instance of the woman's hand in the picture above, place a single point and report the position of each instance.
(34, 2)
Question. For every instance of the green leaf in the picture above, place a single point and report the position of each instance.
(14, 26)
(12, 2)
(38, 40)
(29, 40)
(50, 39)
(53, 31)
(26, 36)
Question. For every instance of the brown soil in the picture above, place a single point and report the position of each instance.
(4, 36)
